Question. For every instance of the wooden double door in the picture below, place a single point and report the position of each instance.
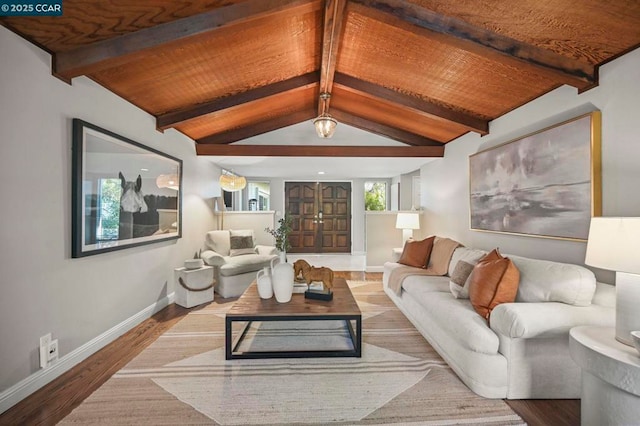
(321, 213)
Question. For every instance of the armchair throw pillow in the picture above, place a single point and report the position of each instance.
(494, 280)
(416, 253)
(240, 242)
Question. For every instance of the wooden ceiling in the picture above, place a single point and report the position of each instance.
(421, 72)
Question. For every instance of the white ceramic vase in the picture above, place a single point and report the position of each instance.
(265, 288)
(282, 279)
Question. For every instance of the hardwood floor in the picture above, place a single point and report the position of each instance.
(56, 400)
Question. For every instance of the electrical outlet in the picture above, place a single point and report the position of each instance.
(53, 351)
(45, 343)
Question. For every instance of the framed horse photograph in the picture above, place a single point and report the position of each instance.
(124, 194)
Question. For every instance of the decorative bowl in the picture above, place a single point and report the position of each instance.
(635, 336)
(193, 263)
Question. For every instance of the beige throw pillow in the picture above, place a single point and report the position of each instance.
(459, 282)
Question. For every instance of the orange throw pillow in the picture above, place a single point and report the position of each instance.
(417, 253)
(494, 280)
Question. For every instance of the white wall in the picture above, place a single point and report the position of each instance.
(406, 190)
(257, 220)
(43, 289)
(445, 183)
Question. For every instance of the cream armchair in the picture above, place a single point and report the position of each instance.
(235, 259)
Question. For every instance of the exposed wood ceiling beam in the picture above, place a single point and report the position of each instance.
(257, 129)
(174, 118)
(319, 151)
(333, 17)
(570, 71)
(383, 130)
(119, 50)
(471, 122)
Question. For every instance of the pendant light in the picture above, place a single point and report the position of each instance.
(231, 182)
(325, 124)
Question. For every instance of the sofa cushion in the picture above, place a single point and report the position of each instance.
(456, 317)
(416, 253)
(248, 263)
(269, 250)
(218, 241)
(425, 283)
(546, 319)
(494, 280)
(545, 281)
(212, 258)
(460, 279)
(240, 245)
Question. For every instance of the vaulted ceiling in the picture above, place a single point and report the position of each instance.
(421, 72)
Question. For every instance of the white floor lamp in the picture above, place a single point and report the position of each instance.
(407, 222)
(614, 244)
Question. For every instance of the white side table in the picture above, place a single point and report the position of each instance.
(610, 376)
(193, 286)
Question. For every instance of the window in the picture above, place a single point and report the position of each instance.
(255, 197)
(108, 209)
(375, 195)
(258, 196)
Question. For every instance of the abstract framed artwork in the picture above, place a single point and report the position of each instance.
(546, 184)
(124, 194)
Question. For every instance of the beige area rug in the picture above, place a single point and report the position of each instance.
(183, 378)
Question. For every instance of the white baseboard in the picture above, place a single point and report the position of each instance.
(375, 268)
(29, 385)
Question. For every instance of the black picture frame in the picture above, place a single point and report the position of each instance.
(124, 194)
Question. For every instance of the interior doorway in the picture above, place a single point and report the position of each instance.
(321, 216)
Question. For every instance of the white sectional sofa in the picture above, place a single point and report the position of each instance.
(234, 272)
(523, 353)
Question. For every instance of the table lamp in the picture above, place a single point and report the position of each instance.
(614, 244)
(407, 222)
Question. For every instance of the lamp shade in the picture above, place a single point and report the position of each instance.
(325, 125)
(614, 244)
(408, 221)
(231, 183)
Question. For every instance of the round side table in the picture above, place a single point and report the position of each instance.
(610, 376)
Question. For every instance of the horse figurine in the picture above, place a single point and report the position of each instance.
(131, 201)
(311, 273)
(298, 266)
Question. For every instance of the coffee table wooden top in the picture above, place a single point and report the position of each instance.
(250, 304)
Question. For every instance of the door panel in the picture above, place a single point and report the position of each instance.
(336, 214)
(321, 213)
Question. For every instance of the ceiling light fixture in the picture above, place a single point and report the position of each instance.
(231, 182)
(325, 124)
